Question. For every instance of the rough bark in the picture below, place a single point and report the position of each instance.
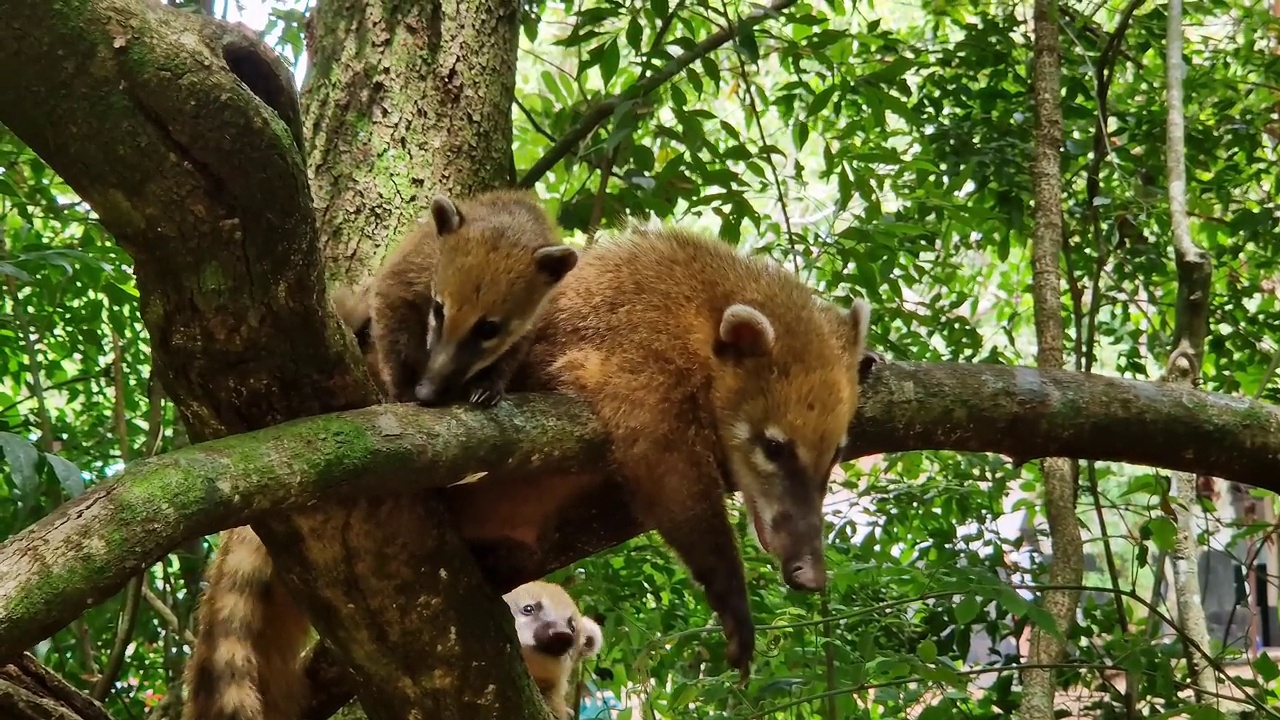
(87, 549)
(30, 691)
(194, 165)
(1191, 327)
(1059, 474)
(403, 100)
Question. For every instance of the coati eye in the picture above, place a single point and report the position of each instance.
(774, 450)
(486, 330)
(527, 609)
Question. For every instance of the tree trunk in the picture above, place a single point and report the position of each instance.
(1058, 473)
(1195, 276)
(403, 100)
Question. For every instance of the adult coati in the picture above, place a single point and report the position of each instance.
(707, 370)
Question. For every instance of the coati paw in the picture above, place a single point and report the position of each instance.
(486, 396)
(741, 647)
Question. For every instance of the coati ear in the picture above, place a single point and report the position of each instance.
(859, 325)
(592, 637)
(445, 214)
(746, 331)
(555, 261)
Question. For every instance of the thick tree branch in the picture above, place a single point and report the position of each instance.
(601, 111)
(62, 564)
(30, 691)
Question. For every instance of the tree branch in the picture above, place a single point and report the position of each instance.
(601, 111)
(62, 564)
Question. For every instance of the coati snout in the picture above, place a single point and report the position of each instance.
(553, 638)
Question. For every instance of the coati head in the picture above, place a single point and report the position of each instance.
(499, 258)
(553, 634)
(785, 423)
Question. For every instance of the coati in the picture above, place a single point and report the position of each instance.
(453, 303)
(707, 370)
(554, 637)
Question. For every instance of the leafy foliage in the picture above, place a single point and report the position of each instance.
(881, 151)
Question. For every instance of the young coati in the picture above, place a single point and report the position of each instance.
(554, 637)
(453, 303)
(707, 370)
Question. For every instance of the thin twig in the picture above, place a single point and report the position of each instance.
(597, 207)
(534, 122)
(129, 614)
(593, 117)
(167, 615)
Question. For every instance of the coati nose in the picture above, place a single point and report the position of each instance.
(553, 640)
(805, 574)
(427, 392)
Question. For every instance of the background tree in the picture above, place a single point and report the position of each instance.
(881, 152)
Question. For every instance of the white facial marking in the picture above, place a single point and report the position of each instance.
(773, 432)
(761, 462)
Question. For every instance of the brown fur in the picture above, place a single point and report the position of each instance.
(246, 662)
(689, 354)
(490, 260)
(354, 307)
(549, 603)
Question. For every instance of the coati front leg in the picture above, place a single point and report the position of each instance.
(683, 499)
(400, 333)
(489, 385)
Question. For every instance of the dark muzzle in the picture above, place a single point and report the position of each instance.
(553, 639)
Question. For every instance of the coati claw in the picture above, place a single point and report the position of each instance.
(486, 397)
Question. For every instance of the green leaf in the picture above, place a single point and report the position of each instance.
(660, 9)
(22, 457)
(683, 694)
(609, 59)
(1163, 532)
(1266, 668)
(927, 651)
(966, 610)
(69, 476)
(635, 34)
(14, 271)
(747, 42)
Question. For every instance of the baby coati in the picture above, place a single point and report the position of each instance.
(554, 637)
(453, 303)
(707, 370)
